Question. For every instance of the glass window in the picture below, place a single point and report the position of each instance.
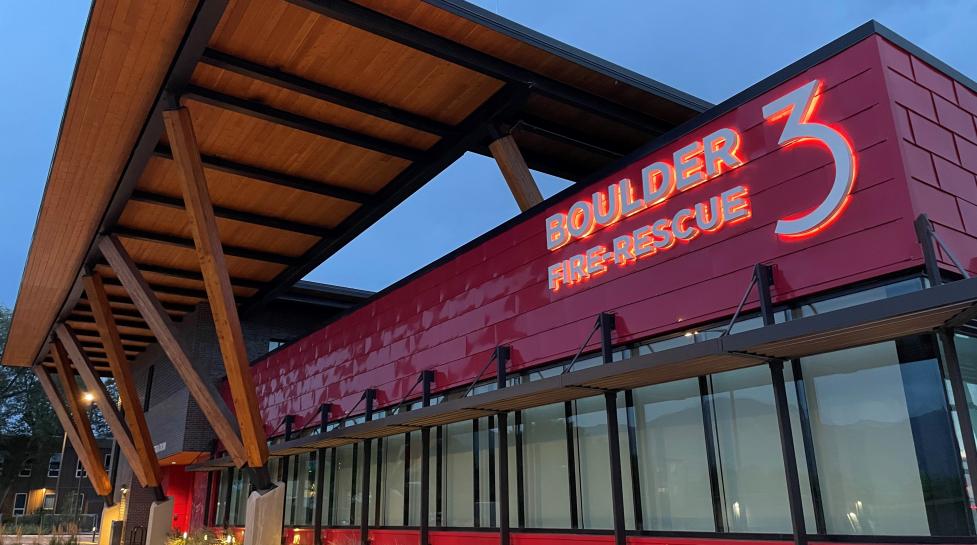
(673, 466)
(485, 457)
(875, 422)
(48, 504)
(593, 473)
(859, 297)
(545, 468)
(391, 475)
(20, 503)
(54, 466)
(225, 483)
(300, 490)
(25, 470)
(457, 490)
(344, 497)
(414, 482)
(751, 468)
(80, 472)
(240, 490)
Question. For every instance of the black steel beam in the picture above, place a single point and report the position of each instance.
(324, 93)
(195, 275)
(170, 307)
(462, 55)
(294, 121)
(167, 290)
(182, 242)
(277, 178)
(568, 136)
(120, 320)
(439, 157)
(235, 215)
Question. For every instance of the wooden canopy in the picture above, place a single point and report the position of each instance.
(314, 118)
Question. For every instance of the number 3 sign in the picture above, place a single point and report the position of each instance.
(798, 106)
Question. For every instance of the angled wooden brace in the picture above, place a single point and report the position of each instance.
(210, 254)
(77, 426)
(149, 306)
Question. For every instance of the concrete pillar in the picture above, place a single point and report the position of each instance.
(160, 522)
(110, 514)
(264, 516)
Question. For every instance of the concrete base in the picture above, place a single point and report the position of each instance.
(160, 522)
(264, 516)
(110, 514)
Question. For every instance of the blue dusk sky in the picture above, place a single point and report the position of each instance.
(711, 53)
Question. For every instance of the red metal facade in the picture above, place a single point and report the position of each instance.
(915, 139)
(936, 123)
(451, 317)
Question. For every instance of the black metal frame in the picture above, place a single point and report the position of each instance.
(320, 476)
(272, 177)
(370, 396)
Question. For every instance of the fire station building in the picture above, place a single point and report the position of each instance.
(745, 322)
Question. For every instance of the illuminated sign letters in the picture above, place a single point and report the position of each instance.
(690, 166)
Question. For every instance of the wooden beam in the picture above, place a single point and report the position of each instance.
(210, 402)
(145, 455)
(87, 448)
(102, 487)
(210, 253)
(516, 173)
(95, 386)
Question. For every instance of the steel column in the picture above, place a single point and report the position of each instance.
(607, 325)
(370, 397)
(502, 421)
(764, 280)
(427, 379)
(925, 237)
(320, 477)
(960, 401)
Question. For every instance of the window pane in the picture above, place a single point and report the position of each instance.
(486, 457)
(458, 476)
(967, 356)
(300, 490)
(593, 463)
(415, 479)
(392, 481)
(867, 464)
(751, 468)
(672, 462)
(345, 488)
(546, 480)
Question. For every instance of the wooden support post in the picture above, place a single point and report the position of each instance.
(210, 402)
(506, 153)
(108, 331)
(86, 447)
(217, 282)
(147, 475)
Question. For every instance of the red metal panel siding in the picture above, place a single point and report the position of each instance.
(937, 129)
(451, 317)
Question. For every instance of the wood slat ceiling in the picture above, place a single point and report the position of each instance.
(313, 120)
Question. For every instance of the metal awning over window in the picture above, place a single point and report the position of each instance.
(948, 305)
